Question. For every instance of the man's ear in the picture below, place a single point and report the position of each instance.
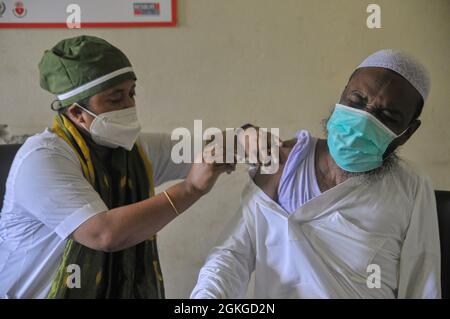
(402, 139)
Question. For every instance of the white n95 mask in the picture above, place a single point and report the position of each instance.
(116, 128)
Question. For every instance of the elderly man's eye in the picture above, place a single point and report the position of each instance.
(356, 100)
(356, 97)
(388, 116)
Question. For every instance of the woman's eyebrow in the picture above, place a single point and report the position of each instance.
(116, 91)
(120, 90)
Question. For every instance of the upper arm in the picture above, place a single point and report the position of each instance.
(158, 146)
(50, 185)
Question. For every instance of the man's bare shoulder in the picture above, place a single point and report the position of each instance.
(269, 182)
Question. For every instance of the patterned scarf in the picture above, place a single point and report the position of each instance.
(125, 178)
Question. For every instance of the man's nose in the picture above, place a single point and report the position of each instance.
(371, 108)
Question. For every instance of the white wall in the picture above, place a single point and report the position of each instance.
(273, 63)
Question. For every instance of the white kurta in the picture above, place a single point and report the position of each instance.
(323, 249)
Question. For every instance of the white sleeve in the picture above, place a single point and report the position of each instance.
(51, 187)
(158, 147)
(229, 266)
(420, 264)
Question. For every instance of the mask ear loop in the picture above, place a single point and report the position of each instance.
(398, 136)
(409, 126)
(86, 110)
(402, 133)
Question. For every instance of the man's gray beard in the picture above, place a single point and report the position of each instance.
(390, 163)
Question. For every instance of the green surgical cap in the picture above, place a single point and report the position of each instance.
(80, 67)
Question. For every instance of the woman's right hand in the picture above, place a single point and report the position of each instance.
(204, 174)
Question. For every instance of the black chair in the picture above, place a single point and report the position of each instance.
(7, 153)
(443, 208)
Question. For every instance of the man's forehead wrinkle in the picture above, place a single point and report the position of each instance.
(375, 86)
(374, 80)
(379, 91)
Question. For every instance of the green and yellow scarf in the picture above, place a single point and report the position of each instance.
(125, 178)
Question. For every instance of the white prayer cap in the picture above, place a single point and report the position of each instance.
(404, 64)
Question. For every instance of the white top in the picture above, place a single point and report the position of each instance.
(298, 183)
(324, 248)
(46, 199)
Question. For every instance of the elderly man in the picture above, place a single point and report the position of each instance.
(80, 213)
(343, 217)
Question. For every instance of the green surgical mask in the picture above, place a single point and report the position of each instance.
(357, 140)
